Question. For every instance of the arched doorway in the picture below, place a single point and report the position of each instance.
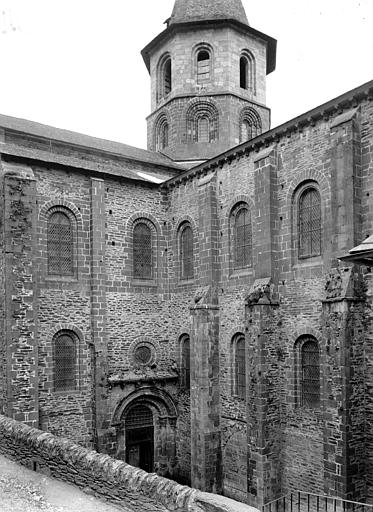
(139, 428)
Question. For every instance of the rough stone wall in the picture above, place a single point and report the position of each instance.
(108, 478)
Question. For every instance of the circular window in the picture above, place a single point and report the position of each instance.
(143, 354)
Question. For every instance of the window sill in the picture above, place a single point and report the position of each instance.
(144, 283)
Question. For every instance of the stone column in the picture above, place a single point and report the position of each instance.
(98, 311)
(204, 392)
(19, 297)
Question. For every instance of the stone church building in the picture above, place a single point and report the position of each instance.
(184, 308)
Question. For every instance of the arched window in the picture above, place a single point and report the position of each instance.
(186, 252)
(142, 251)
(308, 372)
(203, 66)
(309, 223)
(185, 361)
(247, 71)
(202, 122)
(164, 85)
(60, 245)
(65, 361)
(242, 237)
(239, 365)
(161, 132)
(250, 124)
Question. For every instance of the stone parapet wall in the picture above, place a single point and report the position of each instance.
(111, 479)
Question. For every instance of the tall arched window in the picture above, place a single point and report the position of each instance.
(203, 129)
(250, 124)
(239, 365)
(186, 252)
(202, 122)
(65, 361)
(242, 237)
(142, 251)
(164, 77)
(185, 361)
(161, 131)
(308, 372)
(60, 245)
(309, 223)
(203, 67)
(247, 71)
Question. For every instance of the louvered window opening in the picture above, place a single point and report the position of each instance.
(167, 77)
(244, 70)
(65, 363)
(185, 370)
(203, 67)
(60, 246)
(139, 416)
(310, 368)
(142, 252)
(309, 224)
(186, 253)
(242, 239)
(240, 368)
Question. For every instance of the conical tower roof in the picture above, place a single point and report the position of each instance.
(186, 11)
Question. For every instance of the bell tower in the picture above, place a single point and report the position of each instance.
(208, 80)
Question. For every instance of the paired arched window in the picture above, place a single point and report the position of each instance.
(203, 66)
(308, 378)
(164, 77)
(60, 244)
(202, 122)
(143, 250)
(242, 236)
(186, 252)
(309, 223)
(161, 133)
(185, 361)
(250, 124)
(247, 71)
(65, 359)
(239, 366)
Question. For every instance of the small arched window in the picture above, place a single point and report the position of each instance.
(247, 71)
(309, 223)
(203, 129)
(167, 77)
(186, 252)
(242, 237)
(239, 365)
(65, 361)
(164, 77)
(203, 67)
(202, 122)
(308, 372)
(60, 245)
(161, 133)
(185, 361)
(142, 251)
(250, 124)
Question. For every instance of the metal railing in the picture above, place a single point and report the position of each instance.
(308, 502)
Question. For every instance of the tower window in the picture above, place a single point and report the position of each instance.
(64, 362)
(60, 245)
(161, 133)
(247, 71)
(186, 252)
(142, 251)
(309, 223)
(202, 122)
(164, 77)
(244, 65)
(242, 238)
(308, 378)
(250, 124)
(203, 66)
(239, 366)
(203, 129)
(185, 361)
(167, 77)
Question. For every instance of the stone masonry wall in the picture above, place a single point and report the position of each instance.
(108, 478)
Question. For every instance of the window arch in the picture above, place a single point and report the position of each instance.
(203, 66)
(202, 122)
(308, 372)
(143, 260)
(247, 71)
(186, 252)
(161, 133)
(61, 250)
(164, 77)
(239, 365)
(309, 222)
(250, 124)
(185, 361)
(65, 361)
(241, 231)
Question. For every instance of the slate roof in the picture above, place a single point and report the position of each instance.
(15, 124)
(186, 11)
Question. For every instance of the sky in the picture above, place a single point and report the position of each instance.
(76, 64)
